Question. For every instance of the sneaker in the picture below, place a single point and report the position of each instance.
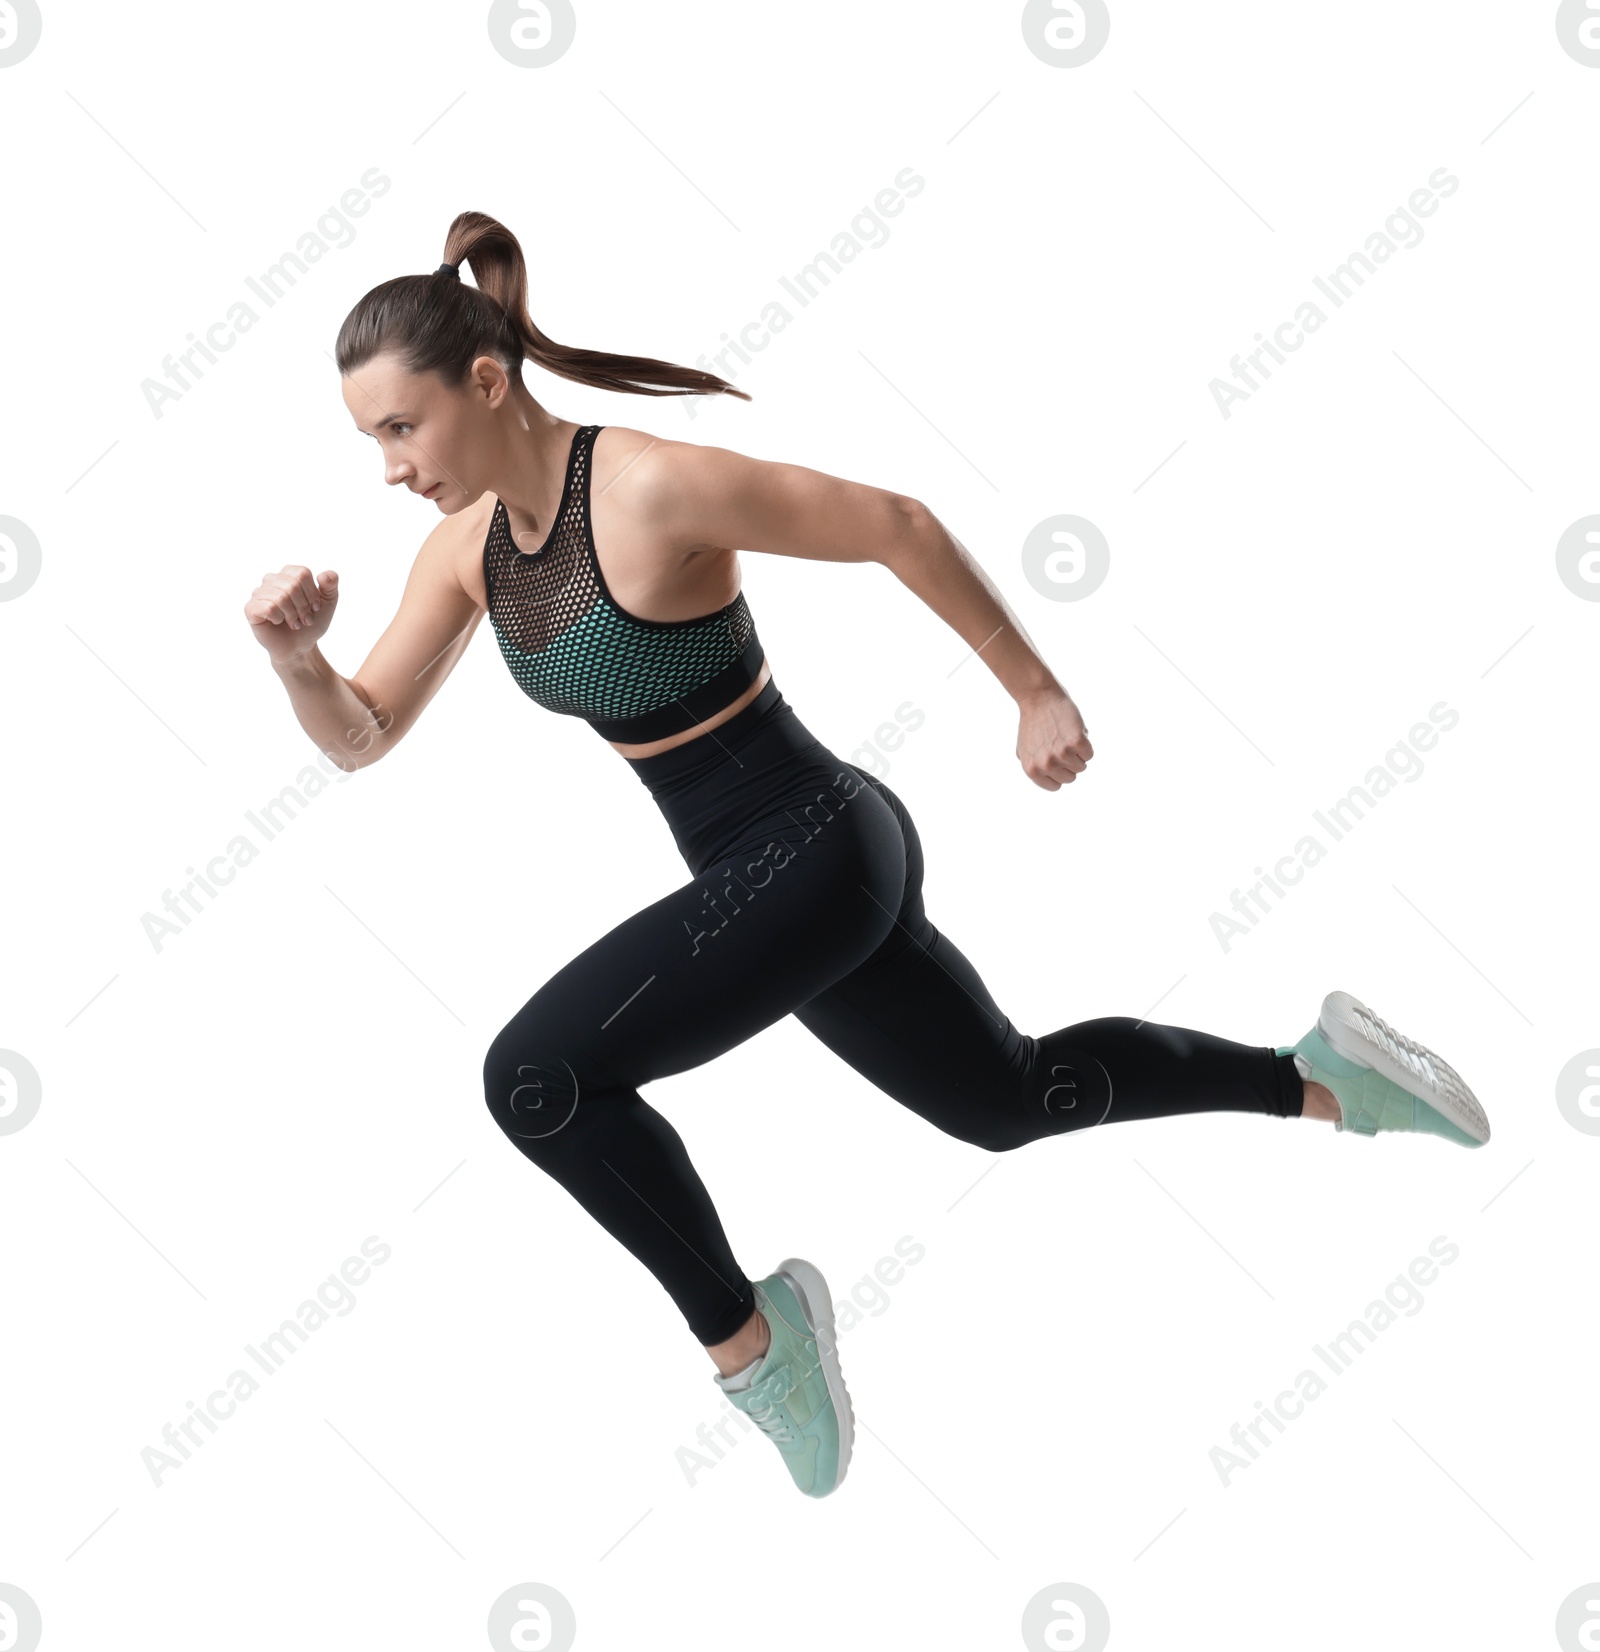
(1383, 1080)
(798, 1398)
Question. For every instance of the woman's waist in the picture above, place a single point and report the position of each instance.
(761, 770)
(780, 807)
(761, 736)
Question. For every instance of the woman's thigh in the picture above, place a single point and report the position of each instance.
(916, 1020)
(803, 895)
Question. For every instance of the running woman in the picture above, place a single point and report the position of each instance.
(606, 560)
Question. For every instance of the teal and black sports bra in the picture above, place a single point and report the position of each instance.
(574, 651)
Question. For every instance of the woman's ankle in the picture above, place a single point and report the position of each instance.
(1320, 1102)
(749, 1342)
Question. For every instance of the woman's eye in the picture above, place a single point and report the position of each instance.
(398, 427)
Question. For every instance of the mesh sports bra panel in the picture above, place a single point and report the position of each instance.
(575, 651)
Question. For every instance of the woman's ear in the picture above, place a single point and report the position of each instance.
(488, 378)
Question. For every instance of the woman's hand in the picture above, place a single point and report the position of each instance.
(1052, 743)
(290, 612)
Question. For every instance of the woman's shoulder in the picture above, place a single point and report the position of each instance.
(618, 447)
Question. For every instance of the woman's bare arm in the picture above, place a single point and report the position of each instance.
(935, 565)
(357, 720)
(714, 496)
(711, 495)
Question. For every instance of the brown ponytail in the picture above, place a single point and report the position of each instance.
(438, 324)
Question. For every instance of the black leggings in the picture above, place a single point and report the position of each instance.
(806, 900)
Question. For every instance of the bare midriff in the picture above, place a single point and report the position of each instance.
(469, 566)
(651, 747)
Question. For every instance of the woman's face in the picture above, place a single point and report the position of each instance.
(434, 439)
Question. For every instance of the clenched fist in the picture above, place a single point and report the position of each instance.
(289, 611)
(1052, 743)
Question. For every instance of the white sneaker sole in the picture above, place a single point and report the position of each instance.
(1359, 1035)
(807, 1283)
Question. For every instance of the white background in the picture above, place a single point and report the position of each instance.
(224, 1119)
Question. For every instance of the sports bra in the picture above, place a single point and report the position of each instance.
(573, 650)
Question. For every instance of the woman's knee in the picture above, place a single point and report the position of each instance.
(995, 1135)
(532, 1089)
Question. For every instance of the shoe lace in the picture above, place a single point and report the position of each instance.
(777, 1428)
(768, 1416)
(771, 1419)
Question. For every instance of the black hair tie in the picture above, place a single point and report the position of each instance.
(454, 269)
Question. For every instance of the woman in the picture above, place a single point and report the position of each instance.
(605, 560)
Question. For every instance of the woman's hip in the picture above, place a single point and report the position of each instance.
(762, 788)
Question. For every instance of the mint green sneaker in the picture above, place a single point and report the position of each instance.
(798, 1398)
(1383, 1080)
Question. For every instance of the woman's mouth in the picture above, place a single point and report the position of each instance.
(429, 493)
